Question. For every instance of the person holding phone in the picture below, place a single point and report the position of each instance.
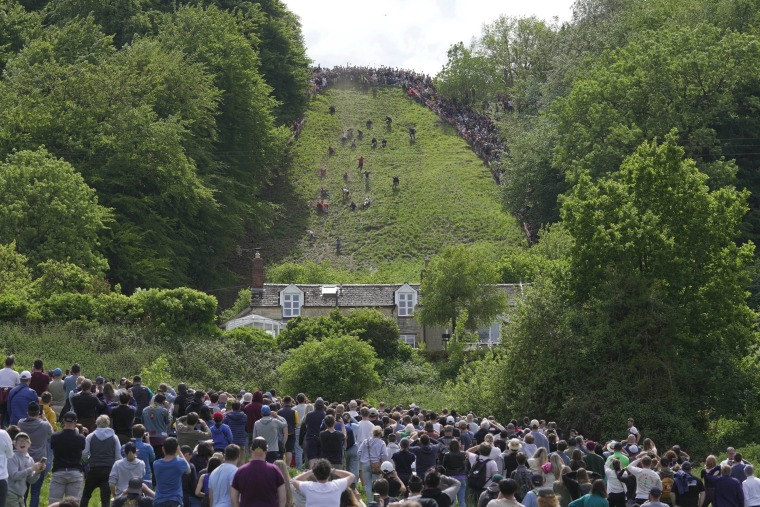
(39, 430)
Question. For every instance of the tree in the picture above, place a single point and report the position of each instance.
(369, 325)
(15, 276)
(339, 367)
(461, 278)
(50, 211)
(467, 77)
(655, 286)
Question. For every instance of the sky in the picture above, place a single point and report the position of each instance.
(411, 34)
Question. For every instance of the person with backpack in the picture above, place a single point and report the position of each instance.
(142, 396)
(482, 468)
(522, 475)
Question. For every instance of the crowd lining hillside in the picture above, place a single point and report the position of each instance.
(478, 129)
(189, 448)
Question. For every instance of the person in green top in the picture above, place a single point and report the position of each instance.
(617, 453)
(596, 498)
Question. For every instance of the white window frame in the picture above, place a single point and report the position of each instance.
(407, 338)
(291, 301)
(406, 300)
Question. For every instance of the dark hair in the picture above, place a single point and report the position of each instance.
(561, 445)
(521, 458)
(75, 368)
(301, 397)
(424, 440)
(432, 479)
(329, 421)
(381, 487)
(192, 418)
(170, 445)
(231, 452)
(454, 445)
(321, 469)
(38, 364)
(507, 486)
(185, 449)
(235, 405)
(159, 399)
(213, 464)
(415, 484)
(124, 397)
(598, 488)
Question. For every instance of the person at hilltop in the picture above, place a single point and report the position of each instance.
(369, 124)
(361, 162)
(412, 134)
(388, 121)
(384, 143)
(373, 143)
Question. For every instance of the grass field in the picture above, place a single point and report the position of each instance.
(446, 194)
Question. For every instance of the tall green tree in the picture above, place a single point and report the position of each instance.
(461, 278)
(655, 296)
(467, 78)
(50, 212)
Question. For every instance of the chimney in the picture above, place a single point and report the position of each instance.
(257, 275)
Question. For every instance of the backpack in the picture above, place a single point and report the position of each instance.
(523, 484)
(667, 488)
(478, 475)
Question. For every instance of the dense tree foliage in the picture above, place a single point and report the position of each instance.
(370, 326)
(166, 112)
(458, 280)
(50, 211)
(339, 367)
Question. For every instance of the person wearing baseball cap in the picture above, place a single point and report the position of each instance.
(258, 482)
(134, 495)
(271, 426)
(20, 397)
(66, 477)
(57, 390)
(39, 431)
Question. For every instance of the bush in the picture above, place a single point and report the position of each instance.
(174, 310)
(67, 306)
(336, 368)
(12, 308)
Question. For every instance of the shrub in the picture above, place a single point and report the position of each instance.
(337, 368)
(174, 310)
(12, 308)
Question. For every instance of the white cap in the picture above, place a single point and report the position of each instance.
(534, 422)
(25, 375)
(387, 466)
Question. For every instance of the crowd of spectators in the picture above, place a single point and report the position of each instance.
(476, 128)
(193, 448)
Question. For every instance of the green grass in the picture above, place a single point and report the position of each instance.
(446, 193)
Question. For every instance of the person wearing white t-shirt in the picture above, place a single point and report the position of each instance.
(646, 478)
(632, 430)
(9, 378)
(6, 452)
(751, 487)
(364, 429)
(323, 492)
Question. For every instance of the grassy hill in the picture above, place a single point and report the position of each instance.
(446, 194)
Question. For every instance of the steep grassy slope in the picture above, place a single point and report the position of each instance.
(446, 195)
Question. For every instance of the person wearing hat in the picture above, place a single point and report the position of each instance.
(396, 487)
(258, 482)
(271, 427)
(39, 431)
(493, 489)
(57, 390)
(20, 397)
(66, 475)
(689, 491)
(221, 434)
(22, 471)
(125, 469)
(509, 456)
(531, 497)
(133, 495)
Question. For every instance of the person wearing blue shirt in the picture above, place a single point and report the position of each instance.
(169, 471)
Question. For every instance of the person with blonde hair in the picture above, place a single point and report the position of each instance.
(103, 449)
